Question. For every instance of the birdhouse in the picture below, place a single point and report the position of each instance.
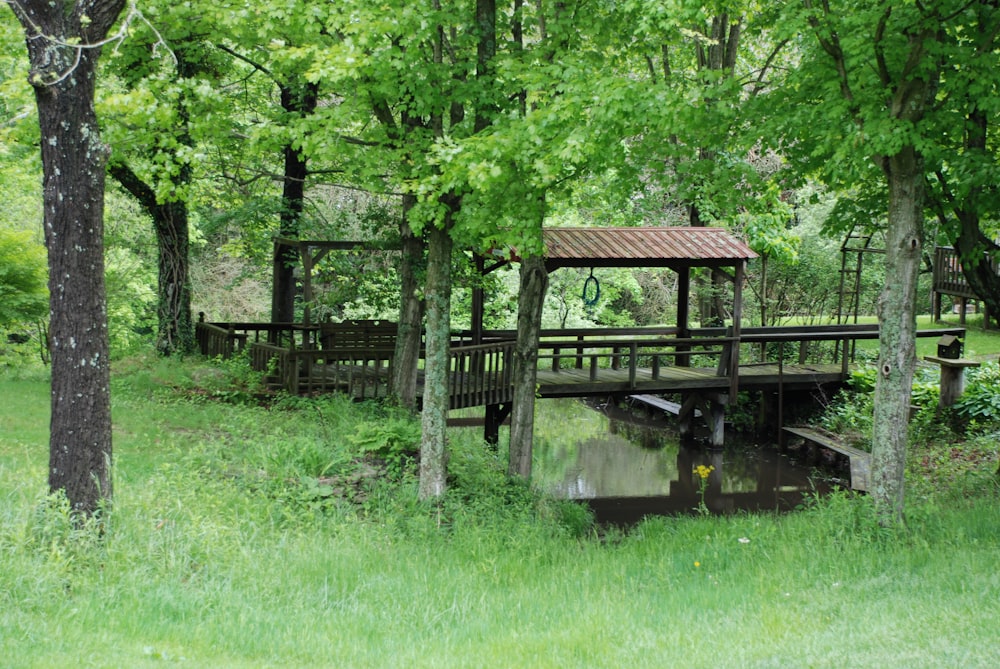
(950, 347)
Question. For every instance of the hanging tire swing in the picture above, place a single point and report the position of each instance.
(591, 290)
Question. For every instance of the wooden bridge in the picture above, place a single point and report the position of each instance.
(357, 358)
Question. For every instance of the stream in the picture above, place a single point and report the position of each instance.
(627, 463)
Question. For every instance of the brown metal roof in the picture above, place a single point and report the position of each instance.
(643, 247)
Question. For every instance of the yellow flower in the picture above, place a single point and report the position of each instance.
(697, 564)
(703, 471)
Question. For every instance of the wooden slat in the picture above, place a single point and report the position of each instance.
(859, 460)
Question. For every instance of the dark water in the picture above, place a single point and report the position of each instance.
(627, 464)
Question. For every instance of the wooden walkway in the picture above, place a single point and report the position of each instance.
(578, 383)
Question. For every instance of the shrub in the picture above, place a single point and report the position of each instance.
(981, 400)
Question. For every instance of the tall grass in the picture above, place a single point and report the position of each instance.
(223, 551)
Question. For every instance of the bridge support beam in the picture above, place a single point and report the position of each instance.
(496, 414)
(713, 409)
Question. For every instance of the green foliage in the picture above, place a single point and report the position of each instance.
(23, 291)
(981, 400)
(131, 300)
(394, 439)
(850, 414)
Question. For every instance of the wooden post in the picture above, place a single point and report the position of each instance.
(715, 417)
(496, 414)
(717, 424)
(952, 377)
(734, 361)
(685, 415)
(633, 355)
(307, 294)
(683, 314)
(477, 301)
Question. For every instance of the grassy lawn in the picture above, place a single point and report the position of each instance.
(979, 343)
(245, 536)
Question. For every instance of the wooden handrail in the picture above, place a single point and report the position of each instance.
(482, 373)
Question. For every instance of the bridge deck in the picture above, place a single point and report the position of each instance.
(577, 382)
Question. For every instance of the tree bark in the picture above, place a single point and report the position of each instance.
(175, 328)
(411, 309)
(534, 282)
(73, 165)
(434, 417)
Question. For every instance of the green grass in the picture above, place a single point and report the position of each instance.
(979, 342)
(219, 554)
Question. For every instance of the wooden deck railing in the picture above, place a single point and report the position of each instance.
(948, 277)
(362, 373)
(226, 338)
(482, 374)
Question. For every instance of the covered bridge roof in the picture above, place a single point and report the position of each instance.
(643, 247)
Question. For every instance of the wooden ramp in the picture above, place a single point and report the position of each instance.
(860, 461)
(663, 405)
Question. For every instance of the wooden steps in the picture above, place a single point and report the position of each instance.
(860, 461)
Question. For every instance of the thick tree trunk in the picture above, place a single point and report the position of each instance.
(175, 329)
(534, 282)
(434, 417)
(73, 164)
(897, 322)
(411, 308)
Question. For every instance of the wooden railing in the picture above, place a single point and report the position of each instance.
(217, 341)
(226, 338)
(719, 343)
(948, 276)
(361, 373)
(482, 375)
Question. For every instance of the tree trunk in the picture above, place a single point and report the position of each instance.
(534, 282)
(300, 101)
(175, 329)
(411, 307)
(73, 164)
(175, 332)
(897, 323)
(434, 417)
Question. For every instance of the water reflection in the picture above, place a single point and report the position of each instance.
(629, 466)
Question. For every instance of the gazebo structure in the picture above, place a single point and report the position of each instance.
(677, 248)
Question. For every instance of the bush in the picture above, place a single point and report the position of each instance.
(981, 400)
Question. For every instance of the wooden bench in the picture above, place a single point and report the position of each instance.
(358, 334)
(859, 460)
